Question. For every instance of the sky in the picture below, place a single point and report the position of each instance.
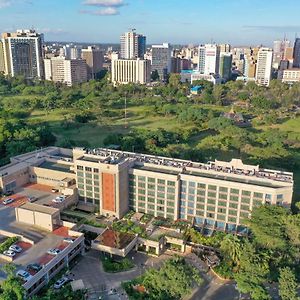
(238, 22)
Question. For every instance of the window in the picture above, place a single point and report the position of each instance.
(80, 179)
(280, 197)
(169, 203)
(151, 186)
(96, 170)
(171, 183)
(141, 184)
(182, 210)
(232, 212)
(201, 199)
(79, 173)
(258, 195)
(245, 200)
(223, 189)
(246, 193)
(170, 210)
(96, 182)
(211, 194)
(211, 201)
(222, 210)
(151, 179)
(89, 188)
(161, 181)
(221, 217)
(150, 199)
(160, 195)
(88, 181)
(150, 193)
(142, 178)
(190, 204)
(182, 203)
(212, 187)
(192, 184)
(244, 207)
(183, 183)
(232, 219)
(268, 197)
(222, 203)
(96, 176)
(244, 214)
(88, 175)
(222, 196)
(81, 186)
(97, 196)
(201, 186)
(171, 190)
(234, 198)
(88, 169)
(183, 190)
(201, 193)
(210, 208)
(141, 198)
(190, 211)
(200, 206)
(256, 202)
(234, 191)
(233, 205)
(170, 196)
(142, 192)
(79, 167)
(161, 188)
(210, 215)
(191, 198)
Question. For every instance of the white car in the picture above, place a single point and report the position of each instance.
(24, 275)
(59, 283)
(16, 248)
(53, 251)
(9, 253)
(69, 240)
(8, 201)
(59, 199)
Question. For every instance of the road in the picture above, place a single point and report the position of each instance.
(90, 270)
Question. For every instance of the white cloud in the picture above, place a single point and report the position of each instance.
(109, 11)
(107, 3)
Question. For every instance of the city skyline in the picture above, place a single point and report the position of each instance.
(243, 22)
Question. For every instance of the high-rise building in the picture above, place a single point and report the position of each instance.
(201, 57)
(94, 59)
(125, 71)
(161, 60)
(2, 63)
(288, 54)
(212, 59)
(75, 53)
(296, 56)
(67, 71)
(249, 66)
(133, 45)
(22, 54)
(264, 66)
(225, 48)
(225, 66)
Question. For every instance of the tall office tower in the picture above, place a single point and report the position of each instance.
(296, 56)
(75, 53)
(225, 48)
(264, 66)
(288, 54)
(161, 60)
(250, 66)
(225, 66)
(22, 54)
(279, 50)
(125, 71)
(201, 61)
(67, 71)
(212, 59)
(94, 59)
(133, 45)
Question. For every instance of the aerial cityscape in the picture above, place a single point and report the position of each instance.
(149, 150)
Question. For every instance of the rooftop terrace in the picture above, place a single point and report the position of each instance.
(228, 169)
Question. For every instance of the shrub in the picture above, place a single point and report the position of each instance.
(7, 243)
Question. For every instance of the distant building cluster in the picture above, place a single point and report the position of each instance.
(25, 53)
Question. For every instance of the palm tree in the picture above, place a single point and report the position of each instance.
(231, 249)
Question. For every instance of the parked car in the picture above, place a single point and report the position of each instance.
(8, 201)
(24, 275)
(59, 199)
(16, 248)
(60, 283)
(34, 267)
(54, 251)
(9, 253)
(32, 199)
(54, 190)
(8, 193)
(69, 240)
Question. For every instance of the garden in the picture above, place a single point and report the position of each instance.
(112, 265)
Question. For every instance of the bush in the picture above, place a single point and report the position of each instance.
(224, 270)
(114, 266)
(7, 243)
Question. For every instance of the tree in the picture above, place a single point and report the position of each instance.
(231, 248)
(11, 288)
(287, 284)
(155, 75)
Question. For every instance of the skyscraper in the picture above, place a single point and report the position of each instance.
(225, 66)
(296, 63)
(264, 66)
(133, 45)
(94, 60)
(212, 59)
(161, 60)
(22, 54)
(201, 62)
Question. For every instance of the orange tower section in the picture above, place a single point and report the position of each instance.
(108, 192)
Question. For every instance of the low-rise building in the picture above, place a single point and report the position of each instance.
(291, 76)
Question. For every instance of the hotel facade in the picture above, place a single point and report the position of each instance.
(217, 195)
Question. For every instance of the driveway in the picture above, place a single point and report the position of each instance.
(90, 270)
